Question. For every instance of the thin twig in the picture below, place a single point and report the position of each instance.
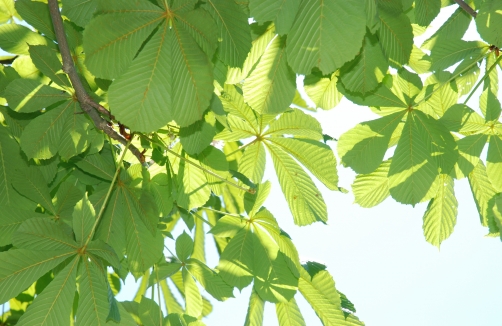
(87, 104)
(466, 7)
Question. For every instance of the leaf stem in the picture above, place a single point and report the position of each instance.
(233, 184)
(482, 79)
(103, 206)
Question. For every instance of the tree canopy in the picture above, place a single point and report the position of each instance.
(123, 119)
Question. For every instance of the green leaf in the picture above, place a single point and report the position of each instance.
(297, 124)
(228, 226)
(36, 14)
(488, 22)
(321, 294)
(67, 196)
(78, 11)
(494, 162)
(99, 164)
(196, 137)
(143, 250)
(272, 84)
(184, 247)
(448, 53)
(31, 183)
(490, 105)
(482, 191)
(163, 271)
(363, 147)
(177, 85)
(281, 13)
(149, 312)
(424, 149)
(42, 136)
(234, 35)
(366, 71)
(93, 295)
(304, 199)
(7, 11)
(315, 156)
(371, 189)
(252, 162)
(28, 95)
(122, 26)
(253, 202)
(454, 28)
(41, 233)
(462, 119)
(396, 37)
(193, 298)
(12, 217)
(98, 248)
(469, 149)
(324, 92)
(10, 161)
(84, 218)
(441, 214)
(315, 40)
(426, 11)
(380, 97)
(22, 267)
(53, 306)
(16, 39)
(46, 60)
(254, 316)
(288, 314)
(210, 280)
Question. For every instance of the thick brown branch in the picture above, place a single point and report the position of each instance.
(87, 104)
(467, 8)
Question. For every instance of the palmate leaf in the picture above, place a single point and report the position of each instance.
(363, 147)
(288, 314)
(424, 149)
(53, 306)
(271, 86)
(315, 39)
(21, 267)
(282, 13)
(441, 214)
(12, 218)
(462, 119)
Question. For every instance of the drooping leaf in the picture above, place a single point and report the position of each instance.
(482, 191)
(441, 214)
(288, 314)
(193, 298)
(494, 162)
(93, 297)
(254, 316)
(371, 189)
(209, 279)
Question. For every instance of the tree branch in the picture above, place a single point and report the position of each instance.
(467, 8)
(87, 104)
